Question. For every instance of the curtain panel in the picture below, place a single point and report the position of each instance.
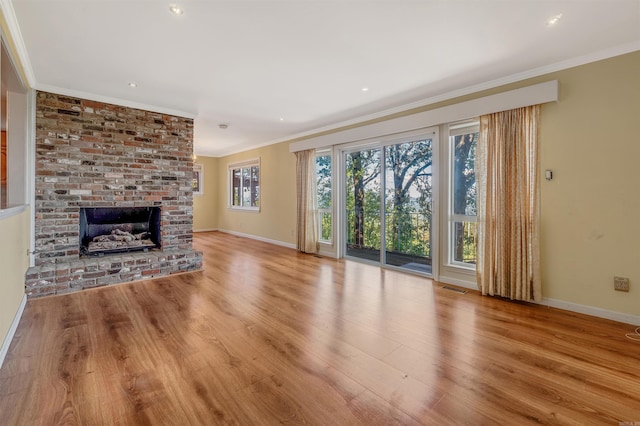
(307, 203)
(508, 204)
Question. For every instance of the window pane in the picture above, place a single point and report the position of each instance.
(323, 173)
(323, 186)
(464, 177)
(255, 186)
(246, 186)
(236, 187)
(408, 204)
(362, 193)
(325, 226)
(464, 242)
(244, 190)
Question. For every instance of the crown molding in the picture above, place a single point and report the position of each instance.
(536, 72)
(110, 100)
(18, 50)
(513, 78)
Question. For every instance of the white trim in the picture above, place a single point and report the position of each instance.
(250, 163)
(114, 101)
(12, 330)
(12, 211)
(244, 209)
(591, 310)
(530, 95)
(447, 244)
(258, 238)
(16, 40)
(327, 250)
(454, 281)
(205, 230)
(31, 170)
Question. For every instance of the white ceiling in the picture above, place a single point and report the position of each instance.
(250, 63)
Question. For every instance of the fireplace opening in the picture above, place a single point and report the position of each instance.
(105, 230)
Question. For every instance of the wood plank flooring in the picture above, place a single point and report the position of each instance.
(265, 336)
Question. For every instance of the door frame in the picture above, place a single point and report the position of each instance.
(432, 132)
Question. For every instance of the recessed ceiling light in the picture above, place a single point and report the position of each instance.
(554, 20)
(365, 89)
(281, 119)
(176, 10)
(132, 84)
(223, 126)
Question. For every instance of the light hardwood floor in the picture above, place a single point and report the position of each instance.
(265, 335)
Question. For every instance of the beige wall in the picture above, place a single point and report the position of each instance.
(590, 209)
(276, 219)
(14, 261)
(205, 206)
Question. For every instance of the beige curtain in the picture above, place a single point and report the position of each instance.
(508, 204)
(307, 203)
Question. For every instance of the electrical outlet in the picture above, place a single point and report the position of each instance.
(620, 284)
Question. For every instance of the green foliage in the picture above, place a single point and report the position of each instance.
(408, 200)
(464, 195)
(323, 185)
(325, 226)
(323, 182)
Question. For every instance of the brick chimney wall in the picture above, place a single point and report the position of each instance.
(94, 154)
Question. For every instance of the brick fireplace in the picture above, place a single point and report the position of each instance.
(96, 155)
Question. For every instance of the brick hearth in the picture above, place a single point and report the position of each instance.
(93, 154)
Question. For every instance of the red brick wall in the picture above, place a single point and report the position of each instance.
(93, 154)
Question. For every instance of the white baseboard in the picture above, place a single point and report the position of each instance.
(591, 310)
(457, 282)
(327, 253)
(12, 330)
(205, 230)
(255, 237)
(561, 304)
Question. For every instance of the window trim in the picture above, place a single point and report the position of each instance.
(16, 194)
(254, 162)
(12, 211)
(456, 129)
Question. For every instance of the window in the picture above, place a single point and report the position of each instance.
(13, 134)
(244, 191)
(325, 205)
(462, 194)
(197, 180)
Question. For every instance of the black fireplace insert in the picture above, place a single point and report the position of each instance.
(105, 230)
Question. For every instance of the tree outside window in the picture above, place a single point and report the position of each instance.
(244, 192)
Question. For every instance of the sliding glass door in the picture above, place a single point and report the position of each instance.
(363, 233)
(408, 205)
(389, 203)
